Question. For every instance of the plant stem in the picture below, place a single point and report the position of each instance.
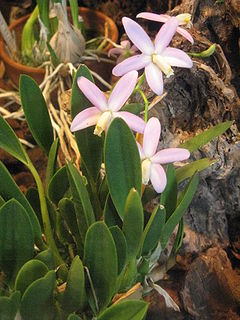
(146, 105)
(45, 215)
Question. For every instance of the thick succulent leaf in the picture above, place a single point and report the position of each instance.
(121, 246)
(10, 142)
(73, 317)
(30, 271)
(9, 190)
(126, 310)
(111, 217)
(153, 230)
(135, 108)
(133, 223)
(47, 257)
(203, 138)
(83, 208)
(89, 145)
(37, 302)
(100, 257)
(16, 237)
(74, 296)
(36, 112)
(188, 170)
(58, 185)
(52, 161)
(186, 198)
(169, 195)
(122, 161)
(32, 197)
(9, 306)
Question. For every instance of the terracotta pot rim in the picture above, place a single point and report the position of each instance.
(40, 70)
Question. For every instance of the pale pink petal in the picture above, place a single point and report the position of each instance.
(185, 34)
(92, 93)
(122, 90)
(158, 178)
(86, 118)
(170, 155)
(177, 58)
(154, 78)
(140, 149)
(125, 44)
(138, 36)
(151, 137)
(115, 51)
(133, 63)
(165, 34)
(134, 122)
(154, 16)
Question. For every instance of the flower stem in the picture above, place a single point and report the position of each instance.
(146, 105)
(45, 215)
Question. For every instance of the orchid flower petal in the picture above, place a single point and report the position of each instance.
(154, 16)
(134, 122)
(154, 78)
(122, 91)
(170, 155)
(177, 58)
(151, 137)
(158, 178)
(86, 118)
(133, 63)
(185, 34)
(93, 94)
(165, 34)
(141, 152)
(138, 36)
(125, 44)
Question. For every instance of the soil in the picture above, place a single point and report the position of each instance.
(205, 279)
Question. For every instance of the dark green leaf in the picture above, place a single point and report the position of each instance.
(203, 138)
(90, 145)
(37, 301)
(32, 196)
(47, 257)
(36, 112)
(52, 161)
(179, 237)
(121, 246)
(134, 108)
(186, 198)
(122, 161)
(133, 223)
(9, 306)
(58, 185)
(73, 317)
(126, 310)
(74, 296)
(30, 271)
(16, 237)
(100, 257)
(111, 217)
(10, 142)
(148, 194)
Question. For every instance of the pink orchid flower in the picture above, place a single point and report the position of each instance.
(184, 19)
(151, 161)
(104, 111)
(155, 58)
(125, 50)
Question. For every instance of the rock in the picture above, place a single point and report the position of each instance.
(211, 288)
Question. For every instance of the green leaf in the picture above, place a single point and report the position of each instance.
(73, 317)
(122, 161)
(32, 197)
(126, 310)
(135, 108)
(52, 161)
(37, 302)
(100, 257)
(186, 198)
(153, 230)
(47, 257)
(169, 195)
(83, 207)
(111, 217)
(9, 306)
(121, 246)
(16, 237)
(74, 296)
(148, 194)
(58, 185)
(179, 237)
(10, 142)
(133, 223)
(36, 112)
(188, 170)
(9, 190)
(30, 271)
(2, 201)
(90, 145)
(203, 138)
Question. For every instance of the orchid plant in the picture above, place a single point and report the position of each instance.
(83, 244)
